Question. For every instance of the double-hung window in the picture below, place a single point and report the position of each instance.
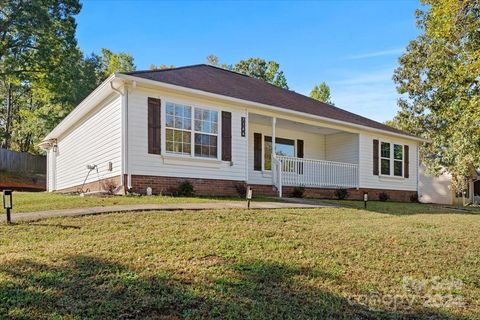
(182, 131)
(206, 133)
(178, 129)
(391, 157)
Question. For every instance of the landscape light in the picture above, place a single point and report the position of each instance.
(7, 203)
(365, 199)
(249, 196)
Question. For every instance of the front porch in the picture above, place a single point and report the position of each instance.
(285, 153)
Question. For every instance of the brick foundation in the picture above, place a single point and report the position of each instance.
(202, 187)
(219, 187)
(322, 193)
(100, 185)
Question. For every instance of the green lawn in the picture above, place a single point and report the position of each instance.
(237, 264)
(39, 201)
(399, 208)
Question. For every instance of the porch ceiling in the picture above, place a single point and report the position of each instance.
(292, 125)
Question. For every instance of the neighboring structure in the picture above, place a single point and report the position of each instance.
(217, 129)
(439, 189)
(22, 171)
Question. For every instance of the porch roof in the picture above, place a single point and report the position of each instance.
(232, 84)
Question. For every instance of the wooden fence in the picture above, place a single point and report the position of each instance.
(22, 162)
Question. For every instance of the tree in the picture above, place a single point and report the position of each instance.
(438, 80)
(43, 74)
(261, 69)
(321, 93)
(37, 43)
(212, 60)
(114, 62)
(161, 67)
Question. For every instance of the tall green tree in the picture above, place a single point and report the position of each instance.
(43, 74)
(321, 93)
(438, 78)
(268, 71)
(37, 41)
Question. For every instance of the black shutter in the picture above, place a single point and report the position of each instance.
(154, 125)
(406, 165)
(226, 136)
(257, 151)
(299, 148)
(375, 157)
(300, 154)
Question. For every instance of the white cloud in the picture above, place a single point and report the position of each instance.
(389, 52)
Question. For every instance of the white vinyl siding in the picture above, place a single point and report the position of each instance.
(96, 140)
(369, 180)
(142, 163)
(342, 147)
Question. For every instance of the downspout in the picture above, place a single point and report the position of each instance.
(50, 147)
(124, 186)
(418, 170)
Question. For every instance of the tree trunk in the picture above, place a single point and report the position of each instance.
(8, 125)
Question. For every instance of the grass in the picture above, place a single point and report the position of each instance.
(39, 201)
(401, 208)
(236, 264)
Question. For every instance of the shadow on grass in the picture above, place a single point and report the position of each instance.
(88, 287)
(404, 208)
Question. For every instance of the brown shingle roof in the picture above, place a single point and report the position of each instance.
(232, 84)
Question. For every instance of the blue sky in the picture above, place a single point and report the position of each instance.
(352, 45)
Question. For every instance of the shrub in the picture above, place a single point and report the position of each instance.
(341, 194)
(109, 186)
(298, 192)
(241, 189)
(414, 198)
(383, 196)
(185, 189)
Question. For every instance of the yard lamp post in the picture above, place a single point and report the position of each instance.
(7, 203)
(249, 196)
(365, 199)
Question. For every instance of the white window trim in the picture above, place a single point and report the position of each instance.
(171, 155)
(391, 159)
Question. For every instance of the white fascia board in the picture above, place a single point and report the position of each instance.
(97, 95)
(263, 106)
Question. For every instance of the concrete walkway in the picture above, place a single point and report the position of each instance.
(39, 215)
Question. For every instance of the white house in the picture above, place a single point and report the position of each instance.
(217, 129)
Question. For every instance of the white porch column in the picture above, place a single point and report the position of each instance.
(274, 172)
(274, 124)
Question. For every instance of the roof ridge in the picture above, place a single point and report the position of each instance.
(340, 109)
(165, 69)
(310, 105)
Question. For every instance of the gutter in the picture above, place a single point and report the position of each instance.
(263, 106)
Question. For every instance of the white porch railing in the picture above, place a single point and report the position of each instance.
(291, 171)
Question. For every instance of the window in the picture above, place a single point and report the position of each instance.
(398, 160)
(206, 131)
(283, 147)
(391, 156)
(385, 158)
(178, 124)
(180, 128)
